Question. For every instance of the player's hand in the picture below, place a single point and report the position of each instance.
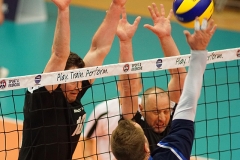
(125, 30)
(119, 2)
(201, 37)
(162, 26)
(62, 4)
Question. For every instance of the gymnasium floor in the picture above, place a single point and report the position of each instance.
(25, 49)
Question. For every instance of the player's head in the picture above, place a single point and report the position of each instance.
(128, 141)
(72, 89)
(155, 108)
(74, 61)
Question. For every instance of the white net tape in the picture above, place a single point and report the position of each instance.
(156, 64)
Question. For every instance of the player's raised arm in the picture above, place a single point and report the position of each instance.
(130, 84)
(179, 141)
(61, 42)
(162, 29)
(103, 38)
(198, 42)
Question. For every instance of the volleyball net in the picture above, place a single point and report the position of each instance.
(217, 127)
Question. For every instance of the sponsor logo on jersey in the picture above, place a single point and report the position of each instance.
(159, 63)
(77, 110)
(126, 67)
(38, 79)
(3, 84)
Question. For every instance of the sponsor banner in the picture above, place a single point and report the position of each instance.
(112, 70)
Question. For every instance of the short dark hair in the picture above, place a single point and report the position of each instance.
(127, 141)
(74, 61)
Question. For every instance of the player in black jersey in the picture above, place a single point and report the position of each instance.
(154, 114)
(54, 115)
(128, 139)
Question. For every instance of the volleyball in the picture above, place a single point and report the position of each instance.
(186, 11)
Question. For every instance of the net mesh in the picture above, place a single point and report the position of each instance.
(217, 131)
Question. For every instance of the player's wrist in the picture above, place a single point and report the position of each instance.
(199, 51)
(126, 41)
(165, 37)
(63, 10)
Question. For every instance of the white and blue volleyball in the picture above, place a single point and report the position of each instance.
(187, 10)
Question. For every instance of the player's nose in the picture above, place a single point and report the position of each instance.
(161, 117)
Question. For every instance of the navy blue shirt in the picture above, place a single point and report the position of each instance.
(178, 144)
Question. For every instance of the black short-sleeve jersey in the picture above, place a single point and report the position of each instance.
(152, 137)
(52, 126)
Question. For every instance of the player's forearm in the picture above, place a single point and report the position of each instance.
(129, 90)
(178, 75)
(105, 34)
(168, 46)
(196, 70)
(186, 108)
(170, 49)
(61, 42)
(126, 51)
(130, 82)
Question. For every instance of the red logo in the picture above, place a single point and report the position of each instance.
(3, 84)
(126, 67)
(238, 53)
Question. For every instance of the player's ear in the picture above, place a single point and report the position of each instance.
(146, 148)
(140, 107)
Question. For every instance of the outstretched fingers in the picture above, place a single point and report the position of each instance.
(200, 39)
(162, 10)
(152, 13)
(156, 10)
(136, 22)
(187, 34)
(211, 27)
(124, 14)
(170, 14)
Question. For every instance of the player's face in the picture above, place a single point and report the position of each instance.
(157, 112)
(71, 90)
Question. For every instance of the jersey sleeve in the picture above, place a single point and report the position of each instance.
(85, 86)
(39, 97)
